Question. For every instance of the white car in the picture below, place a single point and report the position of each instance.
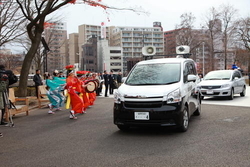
(225, 83)
(158, 92)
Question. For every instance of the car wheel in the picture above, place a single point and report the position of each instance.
(243, 93)
(197, 112)
(123, 127)
(184, 120)
(231, 97)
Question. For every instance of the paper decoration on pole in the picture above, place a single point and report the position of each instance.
(48, 25)
(73, 1)
(103, 30)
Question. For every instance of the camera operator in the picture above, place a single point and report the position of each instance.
(6, 78)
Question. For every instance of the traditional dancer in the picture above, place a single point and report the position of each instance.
(81, 78)
(92, 96)
(55, 96)
(73, 86)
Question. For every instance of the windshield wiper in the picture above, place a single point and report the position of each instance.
(213, 79)
(172, 82)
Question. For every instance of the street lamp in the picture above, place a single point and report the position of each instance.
(203, 62)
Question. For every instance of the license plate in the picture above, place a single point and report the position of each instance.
(210, 92)
(141, 115)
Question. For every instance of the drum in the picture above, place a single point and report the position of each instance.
(97, 83)
(91, 86)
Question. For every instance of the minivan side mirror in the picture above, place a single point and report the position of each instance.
(192, 77)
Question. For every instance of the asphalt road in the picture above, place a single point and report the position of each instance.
(219, 137)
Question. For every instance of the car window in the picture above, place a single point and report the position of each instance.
(236, 74)
(185, 73)
(191, 68)
(153, 74)
(218, 75)
(188, 69)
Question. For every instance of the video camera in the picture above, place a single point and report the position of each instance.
(3, 75)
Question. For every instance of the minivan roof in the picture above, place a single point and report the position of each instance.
(164, 60)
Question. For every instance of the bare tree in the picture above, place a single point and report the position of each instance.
(36, 11)
(11, 22)
(186, 35)
(243, 33)
(11, 61)
(213, 26)
(228, 16)
(39, 57)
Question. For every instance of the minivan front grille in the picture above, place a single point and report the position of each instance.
(154, 104)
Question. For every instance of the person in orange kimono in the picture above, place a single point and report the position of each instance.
(73, 86)
(81, 77)
(92, 96)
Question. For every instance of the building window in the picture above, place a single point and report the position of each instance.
(115, 51)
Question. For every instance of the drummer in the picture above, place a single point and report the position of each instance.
(92, 96)
(81, 75)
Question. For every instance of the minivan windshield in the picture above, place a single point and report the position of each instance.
(154, 74)
(218, 75)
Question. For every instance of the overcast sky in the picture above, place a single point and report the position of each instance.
(167, 12)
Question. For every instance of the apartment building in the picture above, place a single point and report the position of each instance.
(133, 39)
(86, 32)
(170, 42)
(56, 37)
(74, 50)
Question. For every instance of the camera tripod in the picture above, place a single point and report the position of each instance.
(7, 106)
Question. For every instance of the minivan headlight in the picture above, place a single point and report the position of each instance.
(117, 97)
(173, 97)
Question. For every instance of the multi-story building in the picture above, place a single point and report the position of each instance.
(74, 50)
(89, 54)
(170, 42)
(99, 56)
(130, 46)
(133, 39)
(87, 31)
(56, 37)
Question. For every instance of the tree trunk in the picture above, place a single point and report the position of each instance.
(22, 90)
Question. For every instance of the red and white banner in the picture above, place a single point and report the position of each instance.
(103, 30)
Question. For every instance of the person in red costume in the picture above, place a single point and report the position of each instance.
(73, 86)
(92, 96)
(83, 95)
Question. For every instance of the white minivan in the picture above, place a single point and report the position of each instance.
(158, 92)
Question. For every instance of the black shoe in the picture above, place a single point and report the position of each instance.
(106, 96)
(3, 123)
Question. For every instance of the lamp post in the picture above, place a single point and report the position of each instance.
(203, 62)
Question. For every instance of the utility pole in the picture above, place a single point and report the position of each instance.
(203, 59)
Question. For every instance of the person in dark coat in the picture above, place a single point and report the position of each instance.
(106, 82)
(111, 82)
(38, 81)
(119, 79)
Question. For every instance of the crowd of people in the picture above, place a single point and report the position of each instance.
(72, 89)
